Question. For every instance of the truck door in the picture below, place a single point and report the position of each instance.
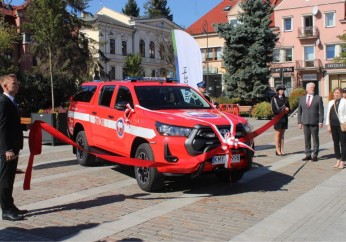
(121, 140)
(102, 121)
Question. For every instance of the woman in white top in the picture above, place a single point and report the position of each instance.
(336, 114)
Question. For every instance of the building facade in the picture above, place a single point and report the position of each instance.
(308, 44)
(20, 53)
(203, 30)
(116, 35)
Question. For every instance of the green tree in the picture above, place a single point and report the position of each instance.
(342, 57)
(131, 8)
(158, 8)
(248, 50)
(60, 48)
(133, 66)
(8, 36)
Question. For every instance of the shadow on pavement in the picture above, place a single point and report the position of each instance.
(50, 233)
(99, 201)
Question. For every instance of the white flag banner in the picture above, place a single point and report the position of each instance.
(188, 59)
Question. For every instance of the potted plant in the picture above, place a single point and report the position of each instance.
(56, 118)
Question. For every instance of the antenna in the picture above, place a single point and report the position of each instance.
(315, 10)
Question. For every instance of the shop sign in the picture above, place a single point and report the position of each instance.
(283, 69)
(309, 77)
(335, 66)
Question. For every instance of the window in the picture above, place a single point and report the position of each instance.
(287, 24)
(124, 96)
(84, 93)
(124, 47)
(276, 55)
(309, 56)
(112, 46)
(106, 95)
(288, 54)
(26, 38)
(330, 51)
(203, 54)
(233, 22)
(142, 48)
(330, 19)
(211, 54)
(152, 50)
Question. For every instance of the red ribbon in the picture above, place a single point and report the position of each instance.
(262, 129)
(35, 146)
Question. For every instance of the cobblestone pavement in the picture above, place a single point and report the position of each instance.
(103, 203)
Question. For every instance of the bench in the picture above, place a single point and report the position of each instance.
(229, 108)
(24, 120)
(245, 109)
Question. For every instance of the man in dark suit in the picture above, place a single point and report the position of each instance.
(310, 118)
(11, 142)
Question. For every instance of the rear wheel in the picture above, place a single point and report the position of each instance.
(83, 156)
(148, 178)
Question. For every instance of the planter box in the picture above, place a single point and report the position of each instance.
(58, 121)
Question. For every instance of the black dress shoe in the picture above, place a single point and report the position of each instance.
(306, 158)
(12, 216)
(24, 211)
(314, 158)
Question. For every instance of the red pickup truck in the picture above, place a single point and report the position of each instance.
(157, 120)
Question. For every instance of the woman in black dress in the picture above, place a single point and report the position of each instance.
(279, 102)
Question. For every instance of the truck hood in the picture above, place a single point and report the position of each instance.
(191, 117)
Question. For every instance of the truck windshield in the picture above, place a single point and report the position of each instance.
(170, 97)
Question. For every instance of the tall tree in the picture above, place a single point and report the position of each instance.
(133, 66)
(8, 36)
(54, 27)
(131, 8)
(158, 8)
(248, 49)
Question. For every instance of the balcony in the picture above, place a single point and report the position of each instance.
(308, 33)
(309, 65)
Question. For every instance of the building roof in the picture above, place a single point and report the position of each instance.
(218, 15)
(10, 10)
(215, 16)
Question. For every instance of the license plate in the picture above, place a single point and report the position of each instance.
(222, 159)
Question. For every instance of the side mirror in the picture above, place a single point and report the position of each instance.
(121, 106)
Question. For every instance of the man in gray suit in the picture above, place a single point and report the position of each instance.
(310, 118)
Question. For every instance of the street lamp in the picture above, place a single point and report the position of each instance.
(205, 30)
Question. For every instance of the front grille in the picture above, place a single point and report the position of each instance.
(203, 138)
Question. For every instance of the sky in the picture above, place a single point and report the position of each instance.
(185, 12)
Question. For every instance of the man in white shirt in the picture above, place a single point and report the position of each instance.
(310, 118)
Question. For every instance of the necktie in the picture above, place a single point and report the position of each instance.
(16, 104)
(308, 102)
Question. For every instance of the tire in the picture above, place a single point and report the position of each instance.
(236, 175)
(148, 178)
(230, 176)
(224, 175)
(83, 157)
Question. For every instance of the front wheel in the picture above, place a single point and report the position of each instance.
(230, 176)
(148, 178)
(83, 156)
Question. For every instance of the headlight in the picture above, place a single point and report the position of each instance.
(171, 130)
(248, 128)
